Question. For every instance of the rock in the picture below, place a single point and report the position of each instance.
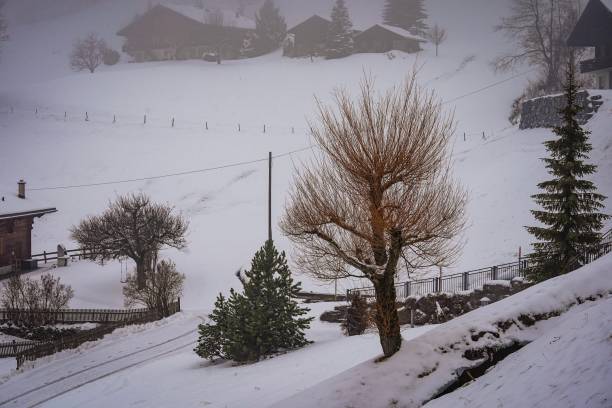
(543, 112)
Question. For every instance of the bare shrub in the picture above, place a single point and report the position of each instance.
(88, 53)
(163, 286)
(379, 191)
(40, 298)
(132, 227)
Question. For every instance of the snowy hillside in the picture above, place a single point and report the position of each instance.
(226, 207)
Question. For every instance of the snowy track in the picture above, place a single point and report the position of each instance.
(42, 384)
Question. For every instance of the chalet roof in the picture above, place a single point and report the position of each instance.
(396, 31)
(313, 21)
(190, 18)
(15, 207)
(594, 26)
(199, 15)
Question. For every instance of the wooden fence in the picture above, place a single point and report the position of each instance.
(476, 279)
(109, 320)
(73, 316)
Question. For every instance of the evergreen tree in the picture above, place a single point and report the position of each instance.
(340, 41)
(270, 27)
(263, 320)
(407, 14)
(570, 215)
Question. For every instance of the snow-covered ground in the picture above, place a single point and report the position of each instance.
(576, 372)
(154, 365)
(45, 140)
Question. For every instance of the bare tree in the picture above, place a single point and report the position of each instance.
(164, 285)
(437, 35)
(88, 53)
(540, 28)
(379, 192)
(132, 227)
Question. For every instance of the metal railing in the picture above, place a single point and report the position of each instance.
(476, 279)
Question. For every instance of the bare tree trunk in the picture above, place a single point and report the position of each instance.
(387, 319)
(141, 268)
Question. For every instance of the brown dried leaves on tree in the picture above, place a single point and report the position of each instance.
(380, 192)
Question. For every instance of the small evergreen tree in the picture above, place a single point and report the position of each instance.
(357, 317)
(261, 321)
(340, 41)
(270, 27)
(407, 14)
(571, 204)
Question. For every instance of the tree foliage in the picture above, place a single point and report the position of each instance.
(88, 53)
(134, 227)
(407, 14)
(340, 41)
(270, 27)
(262, 320)
(540, 29)
(379, 192)
(570, 214)
(163, 287)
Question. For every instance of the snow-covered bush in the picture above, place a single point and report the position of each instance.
(261, 321)
(358, 317)
(163, 286)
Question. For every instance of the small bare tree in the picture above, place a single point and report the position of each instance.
(380, 191)
(88, 53)
(164, 285)
(132, 227)
(437, 35)
(540, 28)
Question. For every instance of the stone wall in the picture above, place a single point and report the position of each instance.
(543, 112)
(442, 307)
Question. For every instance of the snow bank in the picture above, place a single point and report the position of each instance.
(428, 363)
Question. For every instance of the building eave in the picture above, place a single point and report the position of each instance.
(25, 214)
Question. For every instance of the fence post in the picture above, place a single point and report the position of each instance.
(435, 285)
(466, 281)
(45, 256)
(494, 273)
(407, 288)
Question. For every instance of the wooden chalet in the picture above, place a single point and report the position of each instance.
(307, 38)
(17, 214)
(180, 32)
(594, 29)
(382, 38)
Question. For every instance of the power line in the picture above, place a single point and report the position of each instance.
(488, 86)
(183, 173)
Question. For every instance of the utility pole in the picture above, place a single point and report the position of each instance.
(270, 196)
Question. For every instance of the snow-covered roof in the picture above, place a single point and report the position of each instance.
(402, 32)
(195, 13)
(12, 206)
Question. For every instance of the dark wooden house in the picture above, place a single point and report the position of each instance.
(382, 38)
(307, 38)
(17, 214)
(594, 29)
(167, 33)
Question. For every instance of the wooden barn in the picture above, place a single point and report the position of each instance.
(17, 214)
(382, 38)
(594, 29)
(180, 32)
(307, 38)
